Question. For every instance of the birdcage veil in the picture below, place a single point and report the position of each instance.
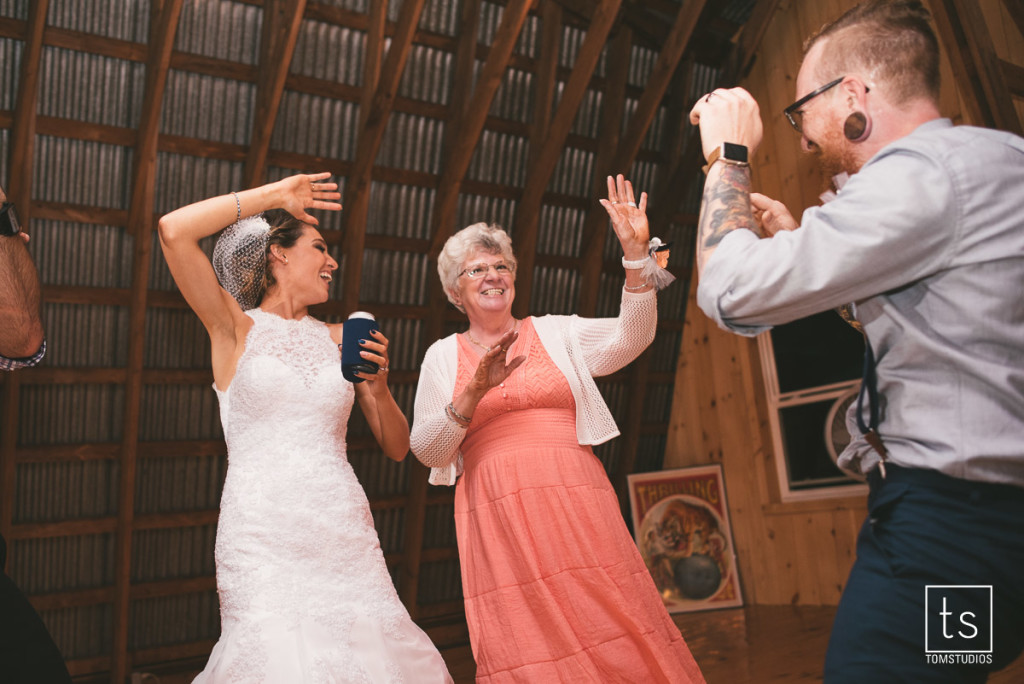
(240, 260)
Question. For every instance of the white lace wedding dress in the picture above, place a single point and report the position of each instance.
(305, 595)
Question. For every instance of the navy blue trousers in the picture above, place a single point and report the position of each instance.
(27, 652)
(925, 528)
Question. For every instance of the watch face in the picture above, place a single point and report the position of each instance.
(735, 152)
(9, 224)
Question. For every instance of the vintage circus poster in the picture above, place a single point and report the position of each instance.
(681, 524)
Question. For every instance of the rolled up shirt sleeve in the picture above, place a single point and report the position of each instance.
(893, 222)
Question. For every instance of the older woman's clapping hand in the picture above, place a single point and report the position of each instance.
(629, 219)
(494, 368)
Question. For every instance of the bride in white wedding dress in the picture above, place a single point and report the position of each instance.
(305, 595)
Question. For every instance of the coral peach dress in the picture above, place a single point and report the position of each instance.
(554, 586)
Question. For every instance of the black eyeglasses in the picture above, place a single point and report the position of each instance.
(793, 112)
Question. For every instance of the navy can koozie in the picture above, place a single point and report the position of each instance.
(357, 327)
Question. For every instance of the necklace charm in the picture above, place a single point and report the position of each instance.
(469, 336)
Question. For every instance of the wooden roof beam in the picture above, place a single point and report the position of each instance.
(1016, 10)
(19, 191)
(547, 74)
(629, 146)
(684, 167)
(469, 109)
(357, 186)
(976, 67)
(471, 124)
(742, 58)
(163, 27)
(23, 130)
(635, 15)
(1014, 76)
(375, 34)
(281, 21)
(542, 166)
(415, 518)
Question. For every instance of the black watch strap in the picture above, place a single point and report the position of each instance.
(9, 224)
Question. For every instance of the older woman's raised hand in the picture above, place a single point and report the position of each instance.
(629, 218)
(306, 191)
(494, 366)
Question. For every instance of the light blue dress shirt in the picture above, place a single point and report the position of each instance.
(927, 240)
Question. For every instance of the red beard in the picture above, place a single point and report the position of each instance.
(835, 155)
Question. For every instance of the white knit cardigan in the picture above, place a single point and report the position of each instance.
(582, 348)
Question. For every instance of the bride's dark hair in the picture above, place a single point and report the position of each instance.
(285, 230)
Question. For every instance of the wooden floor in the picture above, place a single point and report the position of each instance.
(752, 645)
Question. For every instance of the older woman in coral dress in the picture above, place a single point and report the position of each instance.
(555, 589)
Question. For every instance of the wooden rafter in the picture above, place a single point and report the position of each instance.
(742, 57)
(547, 74)
(976, 67)
(465, 60)
(19, 191)
(281, 22)
(465, 57)
(357, 185)
(1014, 77)
(684, 167)
(542, 166)
(613, 113)
(634, 14)
(629, 146)
(471, 124)
(378, 19)
(1016, 11)
(163, 28)
(23, 131)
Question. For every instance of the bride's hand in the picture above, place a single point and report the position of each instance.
(376, 350)
(299, 193)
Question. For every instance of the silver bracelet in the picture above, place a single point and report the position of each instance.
(453, 421)
(635, 288)
(238, 206)
(635, 264)
(450, 408)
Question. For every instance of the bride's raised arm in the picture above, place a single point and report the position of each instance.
(182, 229)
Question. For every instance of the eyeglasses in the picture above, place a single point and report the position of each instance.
(480, 270)
(793, 112)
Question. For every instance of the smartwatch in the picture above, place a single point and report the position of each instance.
(730, 153)
(9, 224)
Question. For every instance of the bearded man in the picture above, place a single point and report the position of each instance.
(925, 243)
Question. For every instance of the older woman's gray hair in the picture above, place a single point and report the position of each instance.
(484, 237)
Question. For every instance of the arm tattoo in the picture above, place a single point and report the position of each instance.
(725, 207)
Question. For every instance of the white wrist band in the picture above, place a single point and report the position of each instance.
(636, 264)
